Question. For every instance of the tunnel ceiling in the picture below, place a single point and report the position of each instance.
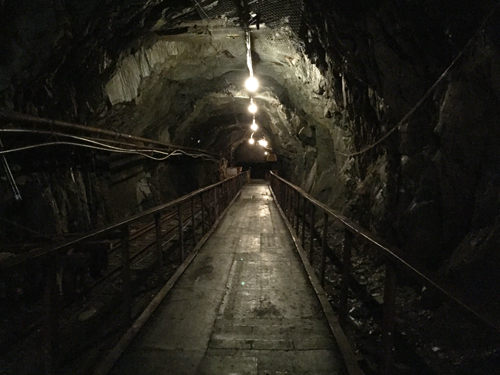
(185, 84)
(174, 70)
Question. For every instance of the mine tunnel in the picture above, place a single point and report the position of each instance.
(249, 187)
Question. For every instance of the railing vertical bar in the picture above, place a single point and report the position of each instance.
(311, 230)
(304, 221)
(126, 287)
(389, 315)
(324, 248)
(346, 274)
(202, 214)
(159, 247)
(293, 206)
(215, 206)
(297, 213)
(193, 222)
(51, 329)
(181, 232)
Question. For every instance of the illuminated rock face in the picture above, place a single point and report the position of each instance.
(353, 71)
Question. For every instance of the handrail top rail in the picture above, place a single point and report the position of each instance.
(11, 262)
(394, 253)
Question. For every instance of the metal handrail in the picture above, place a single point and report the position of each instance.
(213, 199)
(11, 262)
(289, 198)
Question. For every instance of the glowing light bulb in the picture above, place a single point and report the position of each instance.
(263, 142)
(252, 84)
(254, 126)
(251, 141)
(252, 108)
(266, 153)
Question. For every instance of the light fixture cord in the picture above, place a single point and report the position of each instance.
(249, 52)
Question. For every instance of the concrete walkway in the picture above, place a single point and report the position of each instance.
(244, 306)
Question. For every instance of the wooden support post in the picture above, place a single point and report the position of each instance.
(311, 231)
(389, 315)
(159, 246)
(324, 248)
(126, 287)
(181, 232)
(51, 323)
(202, 215)
(193, 222)
(346, 274)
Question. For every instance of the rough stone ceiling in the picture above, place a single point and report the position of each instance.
(184, 84)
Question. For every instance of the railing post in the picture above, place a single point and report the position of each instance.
(126, 287)
(297, 213)
(202, 215)
(215, 204)
(159, 245)
(51, 334)
(287, 197)
(388, 323)
(324, 248)
(304, 221)
(312, 228)
(181, 232)
(346, 274)
(193, 222)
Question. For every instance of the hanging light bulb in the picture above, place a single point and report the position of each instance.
(252, 84)
(254, 126)
(251, 141)
(263, 142)
(252, 108)
(266, 153)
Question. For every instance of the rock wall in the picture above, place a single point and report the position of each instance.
(432, 187)
(76, 192)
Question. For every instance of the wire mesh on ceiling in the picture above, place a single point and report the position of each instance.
(272, 13)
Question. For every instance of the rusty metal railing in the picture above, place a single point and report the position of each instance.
(297, 205)
(201, 208)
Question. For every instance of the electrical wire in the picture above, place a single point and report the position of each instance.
(111, 149)
(100, 146)
(426, 95)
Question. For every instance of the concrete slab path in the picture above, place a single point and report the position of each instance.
(244, 306)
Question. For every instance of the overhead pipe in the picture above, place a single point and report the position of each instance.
(21, 117)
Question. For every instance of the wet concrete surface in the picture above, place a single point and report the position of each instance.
(244, 306)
